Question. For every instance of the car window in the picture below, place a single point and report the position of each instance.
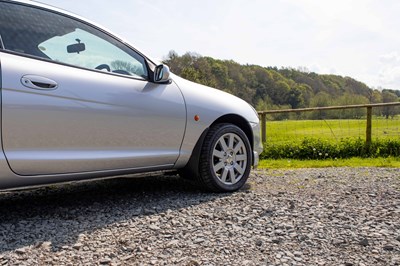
(55, 37)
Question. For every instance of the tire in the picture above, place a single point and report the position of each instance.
(225, 159)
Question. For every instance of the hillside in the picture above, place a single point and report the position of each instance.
(273, 88)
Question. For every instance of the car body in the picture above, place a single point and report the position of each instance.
(78, 103)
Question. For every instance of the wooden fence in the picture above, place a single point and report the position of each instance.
(369, 107)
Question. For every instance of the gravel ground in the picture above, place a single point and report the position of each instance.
(334, 216)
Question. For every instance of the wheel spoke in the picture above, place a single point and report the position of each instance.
(218, 154)
(223, 144)
(224, 175)
(241, 157)
(238, 146)
(239, 169)
(218, 166)
(232, 175)
(231, 140)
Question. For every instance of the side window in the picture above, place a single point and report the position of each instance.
(55, 37)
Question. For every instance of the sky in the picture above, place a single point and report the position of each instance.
(355, 38)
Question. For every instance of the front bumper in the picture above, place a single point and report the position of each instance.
(256, 159)
(257, 144)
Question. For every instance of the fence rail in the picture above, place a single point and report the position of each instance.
(369, 107)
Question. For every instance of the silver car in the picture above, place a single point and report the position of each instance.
(78, 103)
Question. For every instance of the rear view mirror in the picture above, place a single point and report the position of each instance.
(76, 48)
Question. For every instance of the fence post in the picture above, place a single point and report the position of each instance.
(369, 126)
(264, 127)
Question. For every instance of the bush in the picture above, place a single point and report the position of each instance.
(317, 149)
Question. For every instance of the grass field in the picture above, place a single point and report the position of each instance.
(289, 130)
(352, 162)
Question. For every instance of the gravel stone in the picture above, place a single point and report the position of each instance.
(364, 242)
(77, 246)
(331, 216)
(105, 261)
(21, 251)
(388, 248)
(259, 243)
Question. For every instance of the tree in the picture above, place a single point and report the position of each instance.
(295, 98)
(350, 99)
(280, 92)
(322, 99)
(389, 97)
(375, 97)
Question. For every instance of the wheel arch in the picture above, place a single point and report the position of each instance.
(237, 120)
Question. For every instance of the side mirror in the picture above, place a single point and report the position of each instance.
(161, 74)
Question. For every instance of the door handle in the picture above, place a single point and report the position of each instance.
(38, 82)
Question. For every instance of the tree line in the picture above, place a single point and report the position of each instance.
(269, 88)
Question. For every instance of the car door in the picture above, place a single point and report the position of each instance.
(75, 99)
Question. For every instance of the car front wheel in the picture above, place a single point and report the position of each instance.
(225, 160)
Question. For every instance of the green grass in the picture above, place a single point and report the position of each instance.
(321, 149)
(390, 162)
(283, 131)
(332, 142)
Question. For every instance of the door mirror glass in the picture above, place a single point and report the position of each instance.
(161, 74)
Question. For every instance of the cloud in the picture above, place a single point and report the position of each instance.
(332, 13)
(318, 68)
(389, 70)
(390, 77)
(390, 58)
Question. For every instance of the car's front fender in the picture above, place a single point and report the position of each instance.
(204, 106)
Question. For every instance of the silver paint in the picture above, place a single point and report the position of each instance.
(93, 121)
